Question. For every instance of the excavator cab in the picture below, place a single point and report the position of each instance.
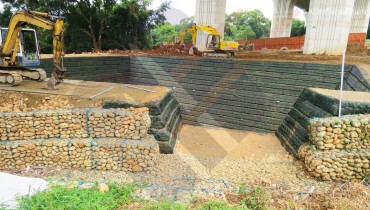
(28, 51)
(213, 42)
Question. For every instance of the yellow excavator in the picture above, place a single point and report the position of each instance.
(213, 46)
(19, 49)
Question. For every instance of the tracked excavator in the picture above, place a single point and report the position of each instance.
(19, 49)
(214, 46)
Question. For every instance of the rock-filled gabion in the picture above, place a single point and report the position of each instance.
(341, 133)
(134, 124)
(338, 148)
(80, 153)
(3, 135)
(19, 126)
(338, 165)
(107, 154)
(26, 153)
(79, 123)
(55, 153)
(99, 154)
(46, 125)
(73, 124)
(137, 157)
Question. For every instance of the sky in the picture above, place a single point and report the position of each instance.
(188, 6)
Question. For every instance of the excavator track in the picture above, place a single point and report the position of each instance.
(42, 74)
(14, 76)
(10, 78)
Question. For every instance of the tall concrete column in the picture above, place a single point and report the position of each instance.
(281, 25)
(328, 26)
(360, 16)
(212, 13)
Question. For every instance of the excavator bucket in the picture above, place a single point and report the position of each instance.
(52, 84)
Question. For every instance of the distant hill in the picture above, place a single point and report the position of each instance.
(174, 16)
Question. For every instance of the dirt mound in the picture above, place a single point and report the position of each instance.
(170, 50)
(357, 50)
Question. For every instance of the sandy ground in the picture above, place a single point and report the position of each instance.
(86, 89)
(270, 55)
(351, 96)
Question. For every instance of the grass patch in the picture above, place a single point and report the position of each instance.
(120, 196)
(59, 197)
(368, 42)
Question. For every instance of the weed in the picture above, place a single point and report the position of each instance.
(59, 197)
(256, 199)
(165, 205)
(217, 205)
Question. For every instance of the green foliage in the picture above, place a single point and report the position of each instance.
(168, 33)
(298, 28)
(98, 24)
(218, 205)
(164, 33)
(255, 199)
(59, 197)
(5, 16)
(247, 25)
(165, 205)
(368, 32)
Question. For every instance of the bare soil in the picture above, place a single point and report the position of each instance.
(72, 93)
(355, 55)
(351, 96)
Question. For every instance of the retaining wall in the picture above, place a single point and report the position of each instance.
(314, 103)
(237, 94)
(93, 68)
(338, 148)
(246, 95)
(103, 139)
(355, 80)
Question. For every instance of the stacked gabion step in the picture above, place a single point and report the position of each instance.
(165, 116)
(102, 139)
(314, 103)
(79, 123)
(339, 148)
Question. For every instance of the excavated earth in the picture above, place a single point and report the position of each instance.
(207, 162)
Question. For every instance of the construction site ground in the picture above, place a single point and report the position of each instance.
(355, 55)
(215, 162)
(207, 161)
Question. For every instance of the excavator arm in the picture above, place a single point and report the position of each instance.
(193, 30)
(11, 44)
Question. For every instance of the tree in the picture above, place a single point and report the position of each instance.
(164, 33)
(368, 32)
(247, 25)
(98, 24)
(5, 16)
(298, 28)
(131, 23)
(95, 14)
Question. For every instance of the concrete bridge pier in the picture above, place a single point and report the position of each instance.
(212, 13)
(360, 16)
(281, 25)
(328, 26)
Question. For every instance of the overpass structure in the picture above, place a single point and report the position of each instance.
(328, 22)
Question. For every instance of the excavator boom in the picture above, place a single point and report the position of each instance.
(11, 43)
(214, 43)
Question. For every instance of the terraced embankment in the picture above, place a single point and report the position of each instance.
(237, 94)
(317, 103)
(246, 95)
(93, 68)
